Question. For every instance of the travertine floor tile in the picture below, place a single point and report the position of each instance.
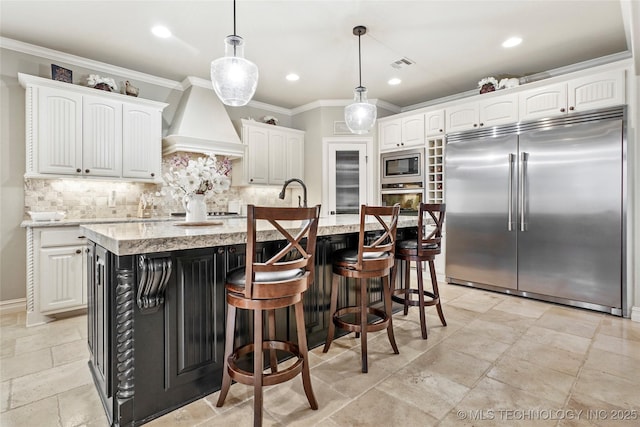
(620, 328)
(561, 340)
(24, 364)
(70, 352)
(5, 395)
(476, 344)
(80, 407)
(534, 379)
(242, 415)
(33, 387)
(614, 364)
(479, 301)
(42, 413)
(617, 345)
(45, 339)
(499, 332)
(547, 356)
(192, 414)
(425, 389)
(376, 408)
(522, 307)
(456, 366)
(583, 409)
(572, 321)
(622, 392)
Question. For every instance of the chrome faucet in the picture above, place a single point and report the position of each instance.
(304, 190)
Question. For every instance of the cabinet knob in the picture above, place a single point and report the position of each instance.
(87, 250)
(481, 124)
(251, 180)
(86, 171)
(152, 174)
(78, 251)
(571, 108)
(82, 237)
(475, 125)
(439, 130)
(220, 251)
(562, 110)
(232, 250)
(78, 170)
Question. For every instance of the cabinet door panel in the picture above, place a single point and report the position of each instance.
(295, 151)
(462, 117)
(101, 137)
(277, 158)
(602, 90)
(59, 131)
(413, 130)
(141, 142)
(61, 278)
(434, 123)
(499, 110)
(258, 156)
(390, 134)
(547, 101)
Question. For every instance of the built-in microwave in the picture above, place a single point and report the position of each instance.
(402, 166)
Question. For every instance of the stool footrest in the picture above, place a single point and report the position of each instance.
(398, 296)
(272, 378)
(377, 325)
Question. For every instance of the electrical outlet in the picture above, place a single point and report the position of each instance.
(112, 199)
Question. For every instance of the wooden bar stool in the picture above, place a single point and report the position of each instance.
(424, 248)
(375, 259)
(275, 283)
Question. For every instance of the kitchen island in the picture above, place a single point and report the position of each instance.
(157, 306)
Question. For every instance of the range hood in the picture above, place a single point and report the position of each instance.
(201, 124)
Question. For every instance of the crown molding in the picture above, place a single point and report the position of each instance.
(43, 52)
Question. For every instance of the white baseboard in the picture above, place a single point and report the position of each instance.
(635, 314)
(16, 306)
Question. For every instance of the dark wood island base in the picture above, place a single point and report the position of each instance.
(156, 318)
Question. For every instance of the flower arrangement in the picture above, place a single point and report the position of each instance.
(204, 175)
(104, 83)
(490, 84)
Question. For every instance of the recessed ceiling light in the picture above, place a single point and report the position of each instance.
(292, 77)
(511, 42)
(161, 31)
(394, 81)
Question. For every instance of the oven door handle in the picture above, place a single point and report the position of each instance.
(402, 191)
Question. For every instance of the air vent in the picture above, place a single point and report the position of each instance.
(402, 63)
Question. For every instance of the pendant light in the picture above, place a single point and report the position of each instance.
(360, 116)
(234, 78)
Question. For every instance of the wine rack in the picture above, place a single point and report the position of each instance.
(435, 169)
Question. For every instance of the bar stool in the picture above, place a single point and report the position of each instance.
(375, 259)
(424, 248)
(275, 283)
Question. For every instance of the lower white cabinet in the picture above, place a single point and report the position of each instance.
(56, 272)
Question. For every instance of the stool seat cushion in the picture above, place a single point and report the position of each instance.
(351, 255)
(236, 276)
(413, 244)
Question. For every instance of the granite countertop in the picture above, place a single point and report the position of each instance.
(82, 221)
(130, 238)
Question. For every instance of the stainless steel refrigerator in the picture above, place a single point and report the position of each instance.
(538, 209)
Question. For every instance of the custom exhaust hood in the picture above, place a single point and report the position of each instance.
(201, 124)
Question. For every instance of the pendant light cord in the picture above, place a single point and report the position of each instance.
(359, 62)
(234, 18)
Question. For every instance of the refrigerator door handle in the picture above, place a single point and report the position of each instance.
(512, 159)
(523, 190)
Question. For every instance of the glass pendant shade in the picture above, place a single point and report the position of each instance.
(234, 78)
(360, 116)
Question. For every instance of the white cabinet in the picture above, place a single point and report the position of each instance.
(141, 153)
(80, 131)
(434, 123)
(493, 111)
(580, 94)
(56, 272)
(273, 155)
(401, 132)
(101, 137)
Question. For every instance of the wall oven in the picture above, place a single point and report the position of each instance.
(403, 180)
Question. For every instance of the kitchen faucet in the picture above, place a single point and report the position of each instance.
(304, 190)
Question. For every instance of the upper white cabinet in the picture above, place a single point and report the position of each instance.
(79, 131)
(581, 94)
(273, 155)
(434, 123)
(402, 132)
(493, 111)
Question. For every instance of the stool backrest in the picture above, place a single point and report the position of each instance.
(387, 217)
(426, 240)
(299, 227)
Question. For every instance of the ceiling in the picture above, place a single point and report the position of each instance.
(453, 43)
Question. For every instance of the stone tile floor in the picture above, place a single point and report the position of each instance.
(502, 360)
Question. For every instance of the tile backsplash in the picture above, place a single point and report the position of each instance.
(84, 198)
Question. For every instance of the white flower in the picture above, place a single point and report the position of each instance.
(487, 80)
(204, 175)
(95, 79)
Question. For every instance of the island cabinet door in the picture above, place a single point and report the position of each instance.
(179, 328)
